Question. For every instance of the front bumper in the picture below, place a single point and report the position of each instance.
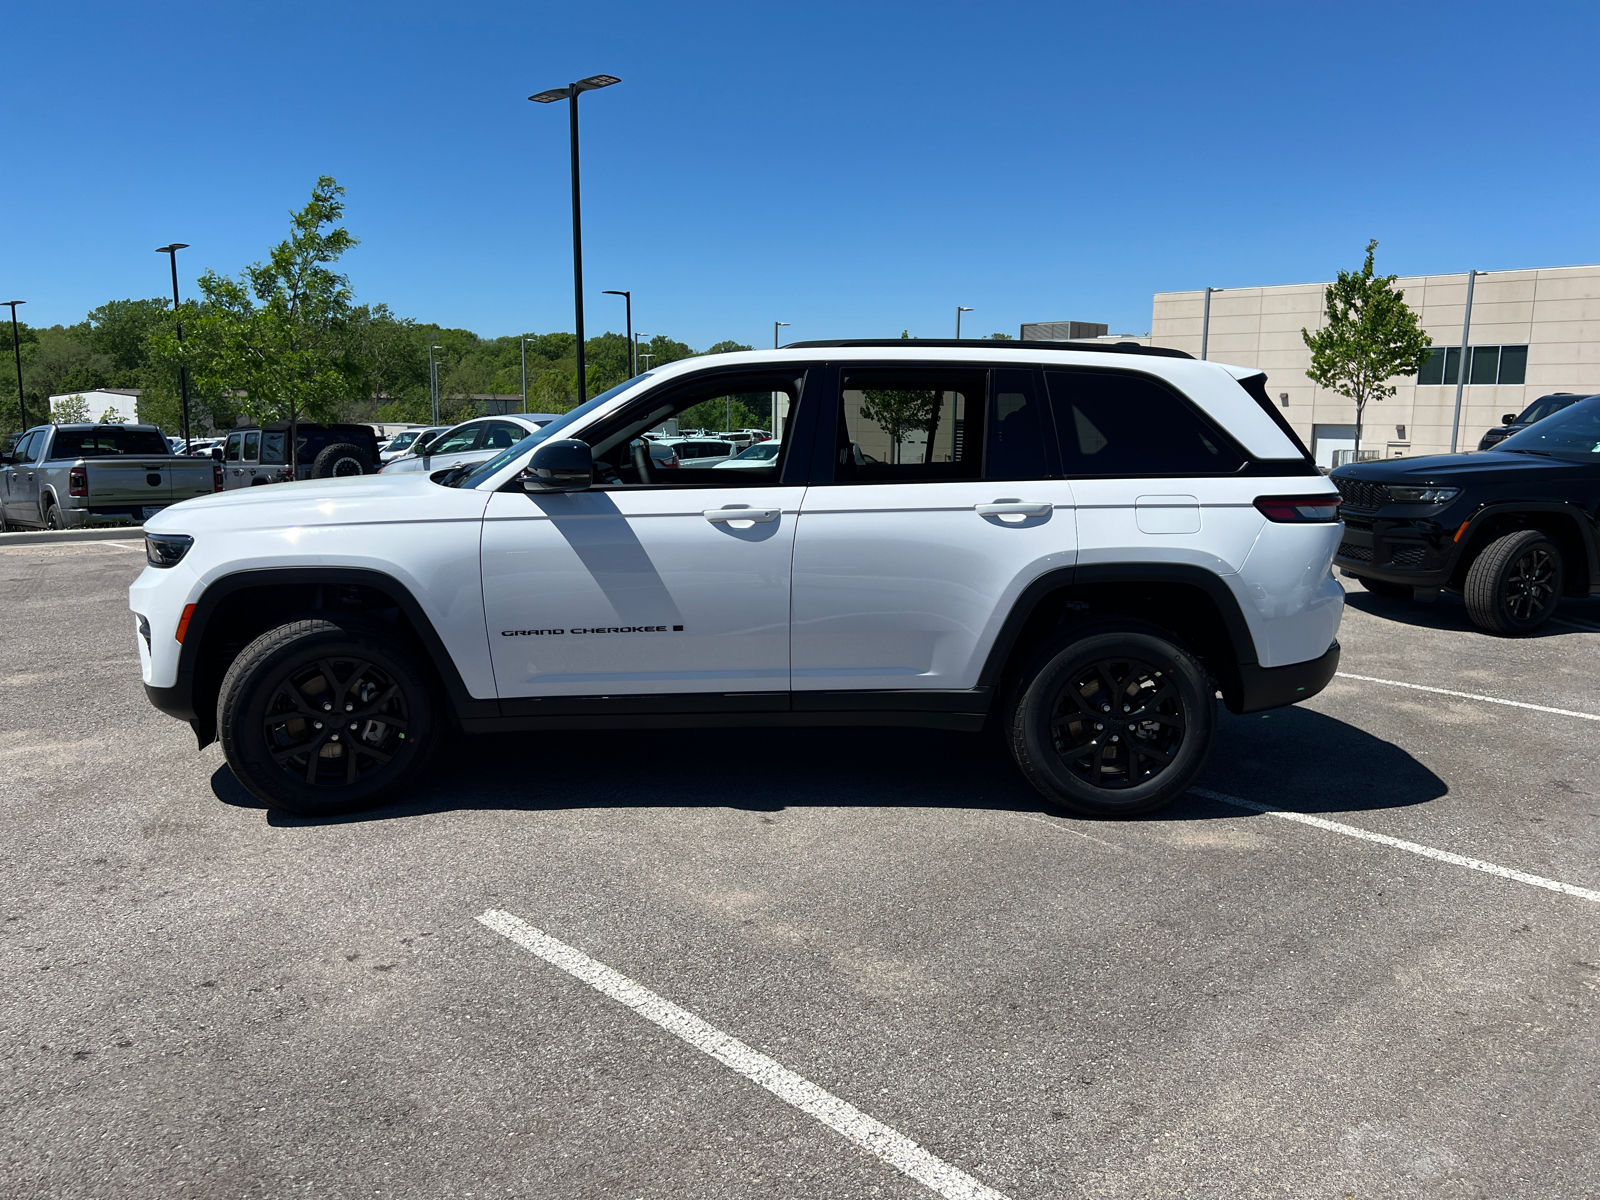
(1261, 688)
(1412, 553)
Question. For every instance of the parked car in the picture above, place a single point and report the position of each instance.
(1541, 408)
(1085, 545)
(757, 456)
(256, 454)
(700, 451)
(469, 443)
(1512, 530)
(402, 442)
(66, 476)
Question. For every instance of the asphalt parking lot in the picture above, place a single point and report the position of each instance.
(205, 1000)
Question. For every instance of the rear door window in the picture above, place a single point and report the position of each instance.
(1122, 423)
(498, 435)
(1019, 445)
(232, 452)
(459, 441)
(252, 444)
(909, 424)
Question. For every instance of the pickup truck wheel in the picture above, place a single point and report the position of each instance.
(339, 460)
(1514, 584)
(319, 717)
(1115, 723)
(53, 518)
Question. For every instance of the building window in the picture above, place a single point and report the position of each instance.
(1490, 364)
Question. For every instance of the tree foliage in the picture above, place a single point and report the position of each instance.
(900, 412)
(1371, 337)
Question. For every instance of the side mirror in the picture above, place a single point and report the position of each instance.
(1509, 419)
(564, 466)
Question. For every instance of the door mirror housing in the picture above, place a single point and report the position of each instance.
(1509, 419)
(563, 466)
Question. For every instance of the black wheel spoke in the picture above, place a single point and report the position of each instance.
(1146, 750)
(1148, 735)
(1099, 764)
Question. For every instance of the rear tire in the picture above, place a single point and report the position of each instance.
(1515, 583)
(1117, 722)
(287, 704)
(53, 518)
(340, 460)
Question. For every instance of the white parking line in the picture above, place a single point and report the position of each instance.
(1383, 839)
(1422, 687)
(891, 1146)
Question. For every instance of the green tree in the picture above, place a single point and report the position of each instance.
(1371, 337)
(900, 412)
(279, 335)
(1001, 337)
(70, 410)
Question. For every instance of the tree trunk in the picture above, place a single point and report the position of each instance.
(1360, 408)
(933, 427)
(294, 444)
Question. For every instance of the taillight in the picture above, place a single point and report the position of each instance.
(288, 473)
(1298, 510)
(216, 477)
(78, 481)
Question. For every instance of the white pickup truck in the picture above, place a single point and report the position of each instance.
(65, 476)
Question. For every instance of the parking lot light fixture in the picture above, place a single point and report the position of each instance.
(433, 382)
(570, 94)
(627, 303)
(776, 325)
(16, 347)
(959, 311)
(1466, 360)
(183, 370)
(1205, 323)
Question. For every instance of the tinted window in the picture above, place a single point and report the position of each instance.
(1017, 446)
(272, 448)
(252, 444)
(107, 441)
(1513, 364)
(1119, 423)
(1432, 371)
(233, 447)
(909, 424)
(1485, 364)
(500, 434)
(457, 441)
(1574, 432)
(23, 450)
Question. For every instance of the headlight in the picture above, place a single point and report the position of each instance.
(1423, 495)
(166, 549)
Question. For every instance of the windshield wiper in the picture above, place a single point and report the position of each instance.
(1521, 450)
(457, 474)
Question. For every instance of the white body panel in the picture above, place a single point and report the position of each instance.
(408, 527)
(709, 599)
(905, 585)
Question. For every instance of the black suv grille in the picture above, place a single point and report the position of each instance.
(1358, 493)
(1354, 552)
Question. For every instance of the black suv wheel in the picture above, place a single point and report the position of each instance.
(319, 717)
(1514, 584)
(1114, 723)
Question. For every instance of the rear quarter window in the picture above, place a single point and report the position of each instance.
(1123, 423)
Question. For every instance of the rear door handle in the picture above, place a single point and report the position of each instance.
(741, 514)
(1018, 508)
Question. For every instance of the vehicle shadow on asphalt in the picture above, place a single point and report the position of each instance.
(1450, 613)
(1293, 758)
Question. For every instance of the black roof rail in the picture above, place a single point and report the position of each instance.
(988, 344)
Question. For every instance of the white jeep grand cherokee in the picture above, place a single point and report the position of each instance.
(1085, 544)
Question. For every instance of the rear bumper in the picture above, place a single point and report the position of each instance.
(1261, 688)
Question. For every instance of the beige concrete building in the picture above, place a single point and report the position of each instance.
(1533, 332)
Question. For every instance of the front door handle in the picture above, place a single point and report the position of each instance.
(741, 514)
(1015, 508)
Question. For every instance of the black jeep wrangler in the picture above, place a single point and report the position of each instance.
(1512, 529)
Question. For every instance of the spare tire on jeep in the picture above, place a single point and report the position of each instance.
(339, 459)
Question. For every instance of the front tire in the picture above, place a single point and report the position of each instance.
(320, 717)
(1515, 583)
(1115, 723)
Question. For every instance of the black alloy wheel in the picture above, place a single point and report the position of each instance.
(335, 720)
(319, 717)
(1118, 722)
(1515, 583)
(1115, 722)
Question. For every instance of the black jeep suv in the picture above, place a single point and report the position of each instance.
(1512, 529)
(1541, 408)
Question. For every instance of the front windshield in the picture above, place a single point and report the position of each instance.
(565, 420)
(1573, 433)
(402, 440)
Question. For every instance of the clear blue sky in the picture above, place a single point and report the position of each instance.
(855, 169)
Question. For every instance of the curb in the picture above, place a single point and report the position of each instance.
(107, 534)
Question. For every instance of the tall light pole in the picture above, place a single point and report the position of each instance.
(433, 382)
(1464, 365)
(775, 327)
(524, 342)
(16, 346)
(959, 311)
(570, 93)
(636, 355)
(627, 301)
(183, 370)
(1205, 323)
